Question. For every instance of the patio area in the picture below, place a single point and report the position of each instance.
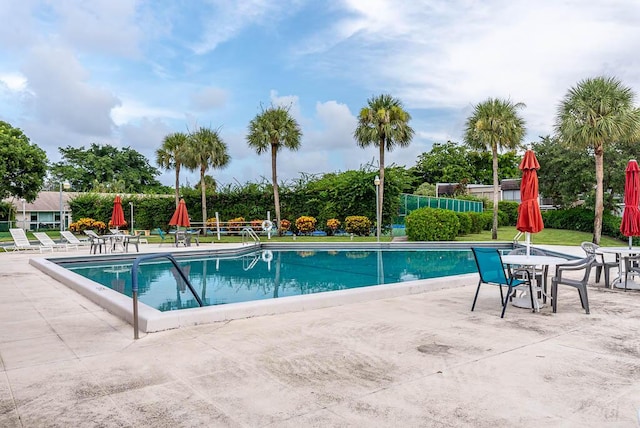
(416, 360)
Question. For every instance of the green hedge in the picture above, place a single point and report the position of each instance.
(509, 210)
(465, 223)
(477, 222)
(432, 224)
(581, 219)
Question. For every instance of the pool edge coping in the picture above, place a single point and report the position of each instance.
(152, 320)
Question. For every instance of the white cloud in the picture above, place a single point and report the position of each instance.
(63, 93)
(18, 26)
(226, 19)
(290, 102)
(208, 98)
(133, 109)
(145, 136)
(104, 26)
(450, 54)
(15, 82)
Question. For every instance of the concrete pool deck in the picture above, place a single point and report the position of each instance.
(415, 360)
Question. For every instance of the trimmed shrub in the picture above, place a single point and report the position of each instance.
(465, 223)
(332, 225)
(284, 225)
(582, 220)
(235, 225)
(571, 219)
(432, 224)
(477, 222)
(88, 224)
(306, 224)
(510, 209)
(358, 225)
(486, 219)
(503, 219)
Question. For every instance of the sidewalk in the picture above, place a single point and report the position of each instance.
(419, 360)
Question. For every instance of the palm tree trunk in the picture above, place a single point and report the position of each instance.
(177, 185)
(381, 191)
(496, 190)
(597, 221)
(276, 191)
(203, 188)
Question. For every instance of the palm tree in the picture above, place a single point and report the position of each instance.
(495, 124)
(383, 123)
(170, 155)
(274, 128)
(597, 112)
(205, 149)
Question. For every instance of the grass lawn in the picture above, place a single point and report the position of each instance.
(507, 233)
(546, 237)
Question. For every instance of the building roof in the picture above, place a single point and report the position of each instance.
(46, 201)
(510, 184)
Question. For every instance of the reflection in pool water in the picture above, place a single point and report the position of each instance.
(265, 274)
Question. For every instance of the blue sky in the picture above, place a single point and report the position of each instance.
(127, 73)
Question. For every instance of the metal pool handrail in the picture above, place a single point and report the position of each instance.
(134, 284)
(248, 231)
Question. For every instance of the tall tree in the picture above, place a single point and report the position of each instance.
(453, 163)
(275, 129)
(205, 149)
(568, 173)
(494, 125)
(170, 155)
(106, 163)
(23, 165)
(385, 124)
(596, 113)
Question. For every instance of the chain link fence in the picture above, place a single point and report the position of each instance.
(410, 203)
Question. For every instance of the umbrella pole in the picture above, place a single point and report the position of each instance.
(630, 242)
(528, 242)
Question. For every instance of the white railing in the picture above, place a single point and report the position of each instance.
(517, 238)
(247, 233)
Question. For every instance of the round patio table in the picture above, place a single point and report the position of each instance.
(622, 253)
(530, 262)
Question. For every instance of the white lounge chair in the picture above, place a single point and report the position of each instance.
(46, 241)
(21, 242)
(72, 239)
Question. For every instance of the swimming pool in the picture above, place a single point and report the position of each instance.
(269, 274)
(422, 272)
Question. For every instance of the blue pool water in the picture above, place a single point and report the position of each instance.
(265, 275)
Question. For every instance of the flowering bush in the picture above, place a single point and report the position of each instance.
(358, 225)
(304, 254)
(256, 224)
(306, 224)
(87, 223)
(235, 224)
(333, 224)
(284, 225)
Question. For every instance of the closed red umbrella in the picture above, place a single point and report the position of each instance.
(529, 216)
(117, 215)
(180, 216)
(630, 225)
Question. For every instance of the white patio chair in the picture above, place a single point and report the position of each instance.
(72, 239)
(21, 242)
(46, 241)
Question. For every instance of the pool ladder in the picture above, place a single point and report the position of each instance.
(516, 238)
(247, 233)
(134, 284)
